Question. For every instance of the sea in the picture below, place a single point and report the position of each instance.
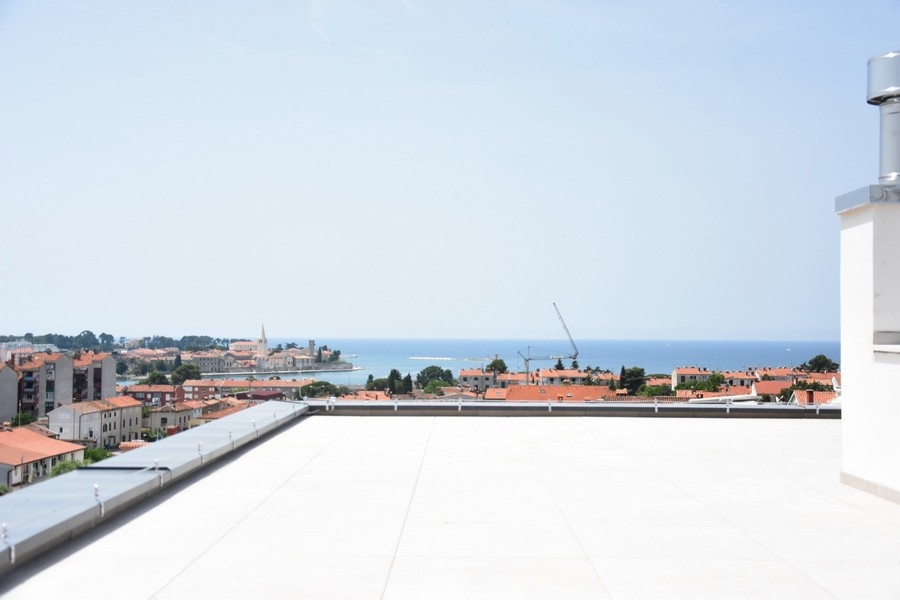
(377, 357)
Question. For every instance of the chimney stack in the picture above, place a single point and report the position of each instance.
(884, 92)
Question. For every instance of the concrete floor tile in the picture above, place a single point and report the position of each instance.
(704, 579)
(494, 578)
(854, 579)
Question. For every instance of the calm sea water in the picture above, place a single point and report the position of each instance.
(378, 357)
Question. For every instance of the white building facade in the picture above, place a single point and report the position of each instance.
(98, 423)
(870, 305)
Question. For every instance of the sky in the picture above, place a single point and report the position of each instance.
(442, 169)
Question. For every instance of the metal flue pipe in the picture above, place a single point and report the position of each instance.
(884, 92)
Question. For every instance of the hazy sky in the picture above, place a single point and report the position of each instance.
(660, 170)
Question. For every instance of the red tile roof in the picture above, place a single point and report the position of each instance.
(779, 372)
(167, 389)
(88, 358)
(543, 393)
(511, 377)
(804, 396)
(93, 406)
(224, 412)
(692, 371)
(243, 383)
(496, 393)
(820, 377)
(471, 373)
(562, 373)
(21, 445)
(772, 387)
(737, 374)
(38, 360)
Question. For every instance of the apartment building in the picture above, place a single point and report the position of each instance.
(46, 382)
(94, 376)
(739, 378)
(689, 374)
(152, 395)
(560, 377)
(205, 389)
(476, 379)
(174, 417)
(98, 422)
(9, 393)
(208, 362)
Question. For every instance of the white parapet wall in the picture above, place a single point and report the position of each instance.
(870, 340)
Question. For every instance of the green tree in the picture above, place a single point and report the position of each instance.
(22, 418)
(86, 340)
(121, 367)
(433, 372)
(655, 390)
(407, 384)
(106, 341)
(395, 382)
(819, 364)
(160, 341)
(574, 364)
(177, 362)
(378, 385)
(497, 366)
(436, 386)
(185, 372)
(155, 378)
(64, 466)
(559, 366)
(714, 382)
(632, 379)
(93, 455)
(319, 389)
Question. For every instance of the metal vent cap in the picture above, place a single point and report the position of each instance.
(884, 78)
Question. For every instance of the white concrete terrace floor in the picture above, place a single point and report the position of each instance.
(468, 507)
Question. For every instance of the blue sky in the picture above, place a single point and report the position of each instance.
(432, 169)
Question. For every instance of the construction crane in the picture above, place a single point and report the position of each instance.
(530, 358)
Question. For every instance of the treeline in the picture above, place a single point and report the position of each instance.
(87, 340)
(190, 343)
